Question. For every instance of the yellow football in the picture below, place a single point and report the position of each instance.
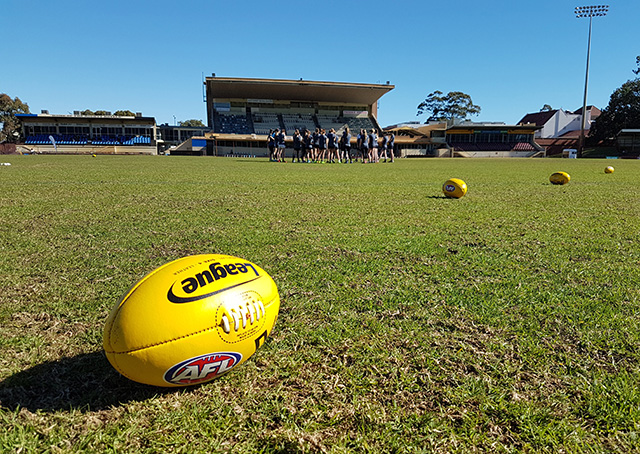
(191, 320)
(454, 188)
(609, 169)
(559, 178)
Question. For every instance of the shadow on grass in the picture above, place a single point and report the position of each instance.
(85, 382)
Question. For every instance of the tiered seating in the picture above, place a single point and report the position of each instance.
(69, 139)
(121, 140)
(327, 122)
(233, 124)
(136, 140)
(61, 139)
(38, 139)
(264, 122)
(492, 146)
(358, 123)
(523, 146)
(298, 121)
(464, 146)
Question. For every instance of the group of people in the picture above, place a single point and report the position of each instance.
(321, 146)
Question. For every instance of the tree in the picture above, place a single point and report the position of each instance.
(11, 126)
(124, 113)
(546, 108)
(623, 112)
(191, 123)
(454, 104)
(87, 112)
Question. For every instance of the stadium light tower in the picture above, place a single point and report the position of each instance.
(590, 12)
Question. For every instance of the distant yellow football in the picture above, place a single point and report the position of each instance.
(559, 178)
(454, 188)
(191, 320)
(609, 169)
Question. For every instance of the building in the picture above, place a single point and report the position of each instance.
(560, 123)
(483, 140)
(182, 140)
(628, 142)
(89, 134)
(241, 112)
(467, 139)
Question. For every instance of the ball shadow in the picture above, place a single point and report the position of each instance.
(85, 382)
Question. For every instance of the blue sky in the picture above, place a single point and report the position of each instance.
(511, 57)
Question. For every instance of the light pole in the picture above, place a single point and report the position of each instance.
(590, 12)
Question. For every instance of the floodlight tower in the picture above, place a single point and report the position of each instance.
(590, 12)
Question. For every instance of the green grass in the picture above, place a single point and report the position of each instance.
(505, 321)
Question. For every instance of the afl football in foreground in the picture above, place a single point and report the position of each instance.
(609, 169)
(191, 320)
(559, 178)
(454, 188)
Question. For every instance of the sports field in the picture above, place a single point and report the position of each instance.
(505, 321)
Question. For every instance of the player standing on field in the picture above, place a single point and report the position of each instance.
(345, 145)
(281, 137)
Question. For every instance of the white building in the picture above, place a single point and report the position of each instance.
(560, 123)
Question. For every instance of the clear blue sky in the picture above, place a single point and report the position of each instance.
(511, 57)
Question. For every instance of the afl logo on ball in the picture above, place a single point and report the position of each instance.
(202, 368)
(449, 188)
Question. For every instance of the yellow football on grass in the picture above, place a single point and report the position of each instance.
(559, 178)
(609, 169)
(191, 320)
(454, 188)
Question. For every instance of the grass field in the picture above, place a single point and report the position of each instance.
(505, 321)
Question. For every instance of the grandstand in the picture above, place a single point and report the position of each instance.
(465, 139)
(80, 134)
(241, 112)
(470, 139)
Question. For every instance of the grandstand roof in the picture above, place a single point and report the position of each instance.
(84, 118)
(296, 90)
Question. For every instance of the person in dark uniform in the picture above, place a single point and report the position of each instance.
(316, 145)
(373, 146)
(271, 145)
(297, 145)
(391, 145)
(322, 145)
(383, 147)
(332, 139)
(364, 145)
(345, 145)
(308, 145)
(280, 139)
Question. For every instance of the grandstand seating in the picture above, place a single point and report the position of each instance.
(358, 123)
(232, 124)
(298, 121)
(492, 146)
(263, 122)
(61, 139)
(121, 140)
(523, 146)
(328, 121)
(67, 139)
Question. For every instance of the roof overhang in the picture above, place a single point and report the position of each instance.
(295, 90)
(79, 119)
(525, 129)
